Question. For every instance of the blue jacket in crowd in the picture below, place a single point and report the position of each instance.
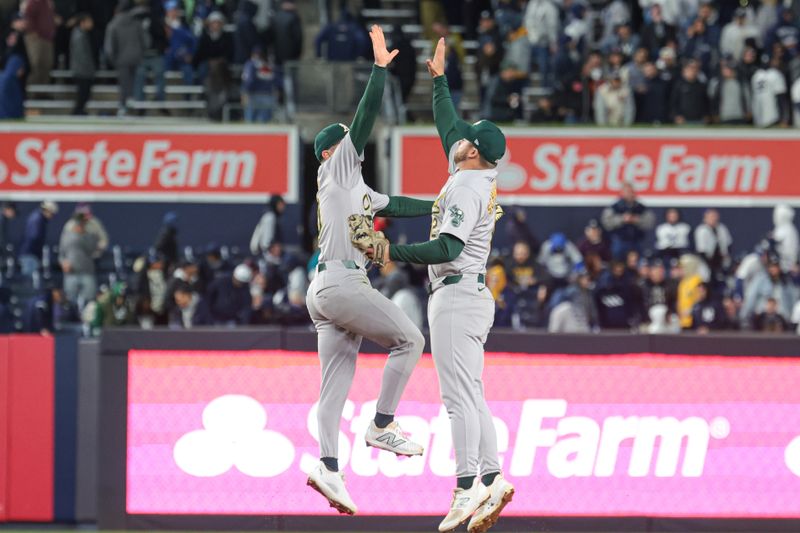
(182, 44)
(35, 233)
(258, 78)
(345, 39)
(11, 95)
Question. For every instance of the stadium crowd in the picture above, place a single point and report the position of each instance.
(613, 63)
(611, 278)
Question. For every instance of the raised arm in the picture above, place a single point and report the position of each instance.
(444, 112)
(404, 207)
(370, 104)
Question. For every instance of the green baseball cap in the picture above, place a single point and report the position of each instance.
(330, 135)
(487, 138)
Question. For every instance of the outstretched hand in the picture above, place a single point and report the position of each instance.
(436, 65)
(382, 56)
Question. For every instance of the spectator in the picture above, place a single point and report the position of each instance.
(767, 17)
(113, 308)
(735, 34)
(786, 32)
(124, 47)
(545, 111)
(656, 33)
(576, 94)
(689, 101)
(455, 58)
(212, 59)
(190, 309)
(633, 72)
(785, 236)
(404, 67)
(594, 248)
(543, 26)
(731, 312)
(246, 37)
(626, 221)
(181, 43)
(577, 29)
(81, 56)
(772, 284)
(260, 84)
(577, 312)
(504, 297)
(166, 244)
(93, 226)
(707, 313)
(730, 97)
(615, 14)
(490, 54)
(33, 239)
(672, 236)
(613, 103)
(624, 40)
(708, 13)
(153, 51)
(40, 25)
(652, 99)
(268, 229)
(560, 258)
(517, 230)
(657, 289)
(770, 101)
(76, 250)
(14, 45)
(12, 96)
(522, 267)
(617, 298)
(713, 242)
(46, 312)
(229, 297)
(151, 291)
(342, 40)
(749, 65)
(286, 34)
(770, 320)
(688, 295)
(503, 101)
(8, 212)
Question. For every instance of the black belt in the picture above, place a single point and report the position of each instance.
(456, 278)
(347, 263)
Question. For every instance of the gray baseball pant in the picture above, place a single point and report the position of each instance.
(460, 317)
(345, 308)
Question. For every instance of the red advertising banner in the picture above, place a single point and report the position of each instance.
(588, 167)
(578, 435)
(204, 164)
(27, 369)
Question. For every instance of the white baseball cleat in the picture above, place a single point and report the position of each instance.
(465, 503)
(500, 493)
(331, 485)
(392, 439)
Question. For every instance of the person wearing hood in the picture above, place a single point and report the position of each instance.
(246, 37)
(785, 235)
(167, 240)
(12, 99)
(774, 283)
(559, 257)
(268, 229)
(124, 47)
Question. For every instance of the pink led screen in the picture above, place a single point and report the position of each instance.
(642, 435)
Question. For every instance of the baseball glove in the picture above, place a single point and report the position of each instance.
(366, 239)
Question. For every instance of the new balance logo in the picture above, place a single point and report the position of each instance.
(392, 440)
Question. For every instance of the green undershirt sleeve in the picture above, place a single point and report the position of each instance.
(443, 249)
(402, 206)
(444, 114)
(368, 109)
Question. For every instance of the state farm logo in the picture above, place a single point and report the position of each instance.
(234, 435)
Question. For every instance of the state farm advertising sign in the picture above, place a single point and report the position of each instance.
(640, 435)
(588, 167)
(218, 164)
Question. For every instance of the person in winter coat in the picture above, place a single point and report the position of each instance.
(785, 235)
(656, 33)
(124, 47)
(342, 40)
(12, 95)
(33, 239)
(627, 221)
(181, 43)
(617, 298)
(286, 33)
(654, 97)
(541, 20)
(713, 242)
(689, 100)
(40, 25)
(735, 33)
(76, 250)
(560, 258)
(260, 85)
(672, 237)
(613, 103)
(81, 59)
(688, 294)
(707, 313)
(229, 297)
(774, 283)
(190, 309)
(268, 229)
(731, 101)
(166, 244)
(246, 37)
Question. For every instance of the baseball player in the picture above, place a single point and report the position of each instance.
(460, 309)
(343, 305)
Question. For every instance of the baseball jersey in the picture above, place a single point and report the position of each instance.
(767, 85)
(465, 209)
(341, 193)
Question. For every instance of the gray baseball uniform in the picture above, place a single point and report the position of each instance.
(343, 304)
(461, 314)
